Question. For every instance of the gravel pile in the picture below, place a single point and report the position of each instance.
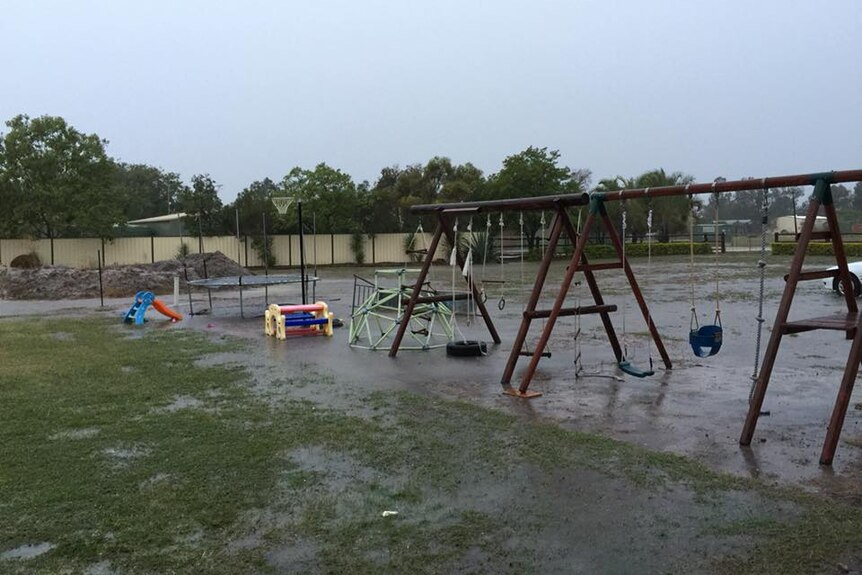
(60, 282)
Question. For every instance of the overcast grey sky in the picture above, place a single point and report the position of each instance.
(247, 90)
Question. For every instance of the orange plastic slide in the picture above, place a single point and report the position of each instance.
(160, 307)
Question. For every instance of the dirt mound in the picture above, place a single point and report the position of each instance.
(60, 282)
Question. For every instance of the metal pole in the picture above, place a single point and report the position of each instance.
(101, 290)
(265, 261)
(238, 242)
(200, 235)
(301, 251)
(795, 223)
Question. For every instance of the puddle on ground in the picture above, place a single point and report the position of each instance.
(338, 470)
(28, 551)
(123, 455)
(180, 402)
(298, 556)
(100, 568)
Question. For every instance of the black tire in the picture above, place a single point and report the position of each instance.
(466, 348)
(857, 285)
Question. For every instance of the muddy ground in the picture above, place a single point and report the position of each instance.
(696, 409)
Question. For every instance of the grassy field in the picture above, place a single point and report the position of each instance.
(123, 453)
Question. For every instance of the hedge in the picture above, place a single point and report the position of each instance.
(607, 251)
(815, 249)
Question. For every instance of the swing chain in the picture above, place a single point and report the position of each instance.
(502, 303)
(761, 264)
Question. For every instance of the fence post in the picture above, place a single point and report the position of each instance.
(152, 248)
(99, 256)
(332, 248)
(373, 248)
(723, 242)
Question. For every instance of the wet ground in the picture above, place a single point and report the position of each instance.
(697, 409)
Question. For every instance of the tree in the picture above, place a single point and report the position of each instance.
(397, 189)
(146, 191)
(670, 214)
(842, 197)
(253, 203)
(857, 196)
(55, 181)
(534, 172)
(328, 196)
(250, 207)
(203, 206)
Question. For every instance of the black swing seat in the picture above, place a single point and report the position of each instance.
(706, 340)
(629, 369)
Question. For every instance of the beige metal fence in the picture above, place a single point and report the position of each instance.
(324, 249)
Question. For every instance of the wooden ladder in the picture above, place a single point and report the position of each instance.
(847, 322)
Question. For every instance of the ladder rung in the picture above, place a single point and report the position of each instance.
(566, 311)
(599, 267)
(438, 298)
(818, 236)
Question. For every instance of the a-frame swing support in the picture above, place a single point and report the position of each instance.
(578, 262)
(848, 322)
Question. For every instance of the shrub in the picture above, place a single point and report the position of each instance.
(815, 249)
(357, 246)
(30, 260)
(183, 251)
(607, 251)
(413, 244)
(257, 245)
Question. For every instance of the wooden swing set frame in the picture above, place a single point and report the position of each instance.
(562, 223)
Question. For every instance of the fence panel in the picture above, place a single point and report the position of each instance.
(325, 248)
(123, 251)
(390, 248)
(11, 249)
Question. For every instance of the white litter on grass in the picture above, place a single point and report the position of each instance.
(388, 513)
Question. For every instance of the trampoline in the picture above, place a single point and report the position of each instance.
(249, 281)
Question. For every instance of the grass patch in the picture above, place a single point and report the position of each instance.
(131, 451)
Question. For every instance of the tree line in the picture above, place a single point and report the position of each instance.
(56, 181)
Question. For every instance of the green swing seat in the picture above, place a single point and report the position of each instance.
(627, 368)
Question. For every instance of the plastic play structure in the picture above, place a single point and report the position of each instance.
(378, 311)
(282, 321)
(705, 340)
(143, 300)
